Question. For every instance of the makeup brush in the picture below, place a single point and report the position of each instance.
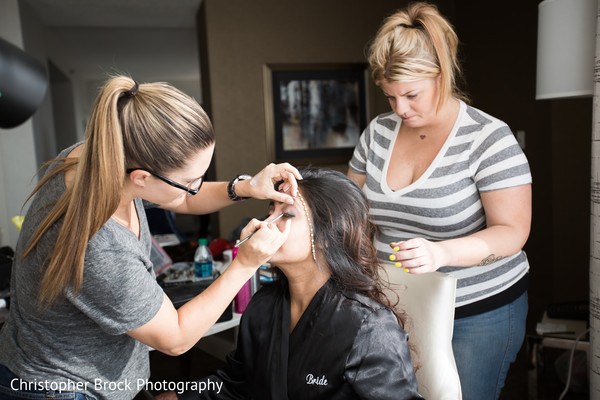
(238, 244)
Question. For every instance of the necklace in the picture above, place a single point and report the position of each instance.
(126, 220)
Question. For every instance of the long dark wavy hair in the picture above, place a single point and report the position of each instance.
(343, 232)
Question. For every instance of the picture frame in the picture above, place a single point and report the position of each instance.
(315, 113)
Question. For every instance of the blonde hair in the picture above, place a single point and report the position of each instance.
(414, 44)
(153, 126)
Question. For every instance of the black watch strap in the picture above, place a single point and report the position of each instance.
(231, 187)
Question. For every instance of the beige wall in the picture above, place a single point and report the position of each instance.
(498, 55)
(17, 146)
(244, 35)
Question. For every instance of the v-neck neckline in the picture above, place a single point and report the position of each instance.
(287, 340)
(141, 226)
(306, 315)
(432, 166)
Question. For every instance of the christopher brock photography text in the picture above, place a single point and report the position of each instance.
(98, 384)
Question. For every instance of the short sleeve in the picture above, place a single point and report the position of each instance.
(119, 292)
(497, 161)
(379, 365)
(358, 162)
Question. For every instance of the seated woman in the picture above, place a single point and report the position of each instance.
(325, 330)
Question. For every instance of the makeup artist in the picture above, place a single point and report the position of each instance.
(450, 190)
(85, 302)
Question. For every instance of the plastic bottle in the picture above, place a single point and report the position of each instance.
(241, 299)
(203, 260)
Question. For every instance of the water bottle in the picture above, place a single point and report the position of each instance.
(203, 261)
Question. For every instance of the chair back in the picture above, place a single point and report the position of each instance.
(428, 301)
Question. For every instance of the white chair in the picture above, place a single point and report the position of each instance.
(428, 300)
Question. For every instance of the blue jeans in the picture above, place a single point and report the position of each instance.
(12, 388)
(485, 345)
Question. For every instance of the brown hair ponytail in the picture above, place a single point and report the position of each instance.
(153, 126)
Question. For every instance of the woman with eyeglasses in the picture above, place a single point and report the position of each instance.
(85, 304)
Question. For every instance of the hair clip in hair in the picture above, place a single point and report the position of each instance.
(408, 26)
(133, 91)
(312, 237)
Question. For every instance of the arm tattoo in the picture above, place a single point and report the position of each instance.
(490, 260)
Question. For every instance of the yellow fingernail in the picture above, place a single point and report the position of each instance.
(392, 257)
(396, 248)
(406, 270)
(398, 264)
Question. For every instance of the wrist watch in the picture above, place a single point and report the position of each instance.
(231, 187)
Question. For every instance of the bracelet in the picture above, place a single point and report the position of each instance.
(231, 187)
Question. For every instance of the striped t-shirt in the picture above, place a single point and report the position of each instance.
(480, 154)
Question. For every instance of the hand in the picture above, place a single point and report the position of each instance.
(262, 185)
(418, 255)
(265, 242)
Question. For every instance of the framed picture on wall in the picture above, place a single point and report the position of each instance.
(315, 113)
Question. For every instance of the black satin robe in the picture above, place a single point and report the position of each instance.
(345, 346)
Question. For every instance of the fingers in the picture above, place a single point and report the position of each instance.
(289, 188)
(272, 235)
(263, 244)
(281, 197)
(413, 255)
(407, 244)
(289, 177)
(251, 227)
(401, 261)
(406, 250)
(262, 183)
(290, 169)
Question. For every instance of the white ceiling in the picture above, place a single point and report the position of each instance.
(116, 13)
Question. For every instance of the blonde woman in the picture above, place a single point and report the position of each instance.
(450, 191)
(85, 303)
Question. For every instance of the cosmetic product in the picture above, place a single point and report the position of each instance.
(242, 298)
(238, 244)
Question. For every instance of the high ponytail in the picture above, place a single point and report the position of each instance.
(152, 126)
(414, 44)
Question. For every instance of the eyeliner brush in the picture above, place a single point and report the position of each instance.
(250, 235)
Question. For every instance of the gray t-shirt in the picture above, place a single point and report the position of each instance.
(81, 340)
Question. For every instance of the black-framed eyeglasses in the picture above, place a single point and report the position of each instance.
(188, 189)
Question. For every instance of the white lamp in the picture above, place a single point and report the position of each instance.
(566, 47)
